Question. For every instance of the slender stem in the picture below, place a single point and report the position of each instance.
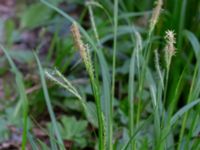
(94, 25)
(181, 23)
(113, 67)
(95, 89)
(131, 97)
(166, 86)
(25, 123)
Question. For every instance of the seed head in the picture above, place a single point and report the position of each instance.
(171, 40)
(77, 39)
(156, 14)
(170, 49)
(83, 49)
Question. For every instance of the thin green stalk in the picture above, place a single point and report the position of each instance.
(96, 36)
(131, 97)
(166, 85)
(113, 68)
(181, 23)
(94, 25)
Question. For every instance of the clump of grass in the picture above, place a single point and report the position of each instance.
(139, 69)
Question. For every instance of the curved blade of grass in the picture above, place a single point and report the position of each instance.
(23, 96)
(194, 42)
(48, 103)
(183, 110)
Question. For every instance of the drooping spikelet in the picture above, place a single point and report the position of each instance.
(83, 49)
(156, 14)
(170, 49)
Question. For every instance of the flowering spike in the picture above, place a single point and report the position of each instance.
(83, 49)
(155, 14)
(170, 49)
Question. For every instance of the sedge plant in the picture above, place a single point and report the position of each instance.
(162, 118)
